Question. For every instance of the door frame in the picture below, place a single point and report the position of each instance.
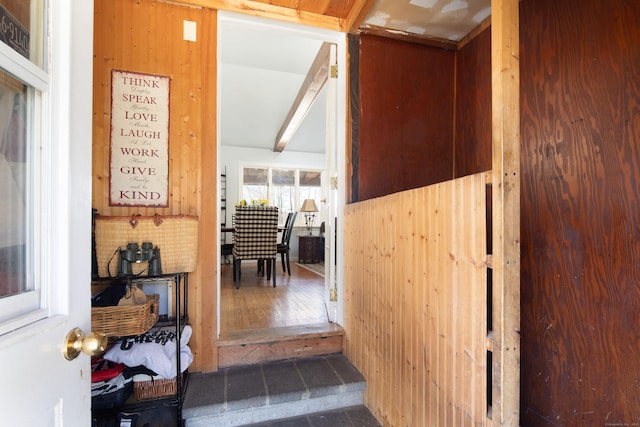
(340, 40)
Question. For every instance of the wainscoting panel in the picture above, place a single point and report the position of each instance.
(415, 303)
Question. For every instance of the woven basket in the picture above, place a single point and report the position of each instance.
(155, 388)
(176, 236)
(126, 320)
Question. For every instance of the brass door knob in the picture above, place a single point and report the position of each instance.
(93, 344)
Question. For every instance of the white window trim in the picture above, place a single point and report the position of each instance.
(28, 307)
(270, 167)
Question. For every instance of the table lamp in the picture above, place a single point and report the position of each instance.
(309, 208)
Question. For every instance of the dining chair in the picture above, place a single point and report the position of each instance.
(255, 236)
(283, 247)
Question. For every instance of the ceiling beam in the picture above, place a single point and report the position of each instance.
(313, 83)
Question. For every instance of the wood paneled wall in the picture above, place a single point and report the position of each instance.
(405, 117)
(472, 122)
(580, 74)
(415, 304)
(147, 37)
(421, 109)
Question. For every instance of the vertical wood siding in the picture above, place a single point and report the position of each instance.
(415, 303)
(146, 37)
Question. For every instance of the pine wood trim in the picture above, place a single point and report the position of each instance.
(204, 296)
(265, 10)
(505, 212)
(357, 14)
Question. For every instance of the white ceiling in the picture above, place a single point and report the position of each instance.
(443, 19)
(261, 70)
(261, 74)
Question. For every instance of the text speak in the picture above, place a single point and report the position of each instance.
(139, 99)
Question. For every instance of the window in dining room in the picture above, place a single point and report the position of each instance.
(285, 188)
(255, 183)
(310, 186)
(283, 192)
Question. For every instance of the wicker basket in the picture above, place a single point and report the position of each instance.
(126, 320)
(155, 388)
(176, 236)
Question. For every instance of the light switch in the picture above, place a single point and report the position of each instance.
(189, 32)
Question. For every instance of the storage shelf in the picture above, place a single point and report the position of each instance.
(177, 323)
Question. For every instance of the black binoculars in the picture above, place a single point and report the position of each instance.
(134, 254)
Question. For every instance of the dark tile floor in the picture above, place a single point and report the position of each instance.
(274, 382)
(285, 382)
(357, 416)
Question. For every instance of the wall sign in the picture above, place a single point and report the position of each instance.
(13, 33)
(139, 164)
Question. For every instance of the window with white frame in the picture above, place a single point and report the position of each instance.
(286, 188)
(255, 184)
(24, 79)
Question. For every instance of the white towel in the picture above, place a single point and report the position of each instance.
(156, 350)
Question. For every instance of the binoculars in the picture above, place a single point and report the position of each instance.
(134, 254)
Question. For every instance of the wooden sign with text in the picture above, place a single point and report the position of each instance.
(139, 163)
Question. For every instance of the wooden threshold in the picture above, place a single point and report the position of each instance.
(270, 344)
(284, 333)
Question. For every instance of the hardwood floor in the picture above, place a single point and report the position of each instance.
(296, 301)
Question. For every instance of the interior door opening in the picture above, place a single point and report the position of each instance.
(237, 99)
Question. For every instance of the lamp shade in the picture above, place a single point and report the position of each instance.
(309, 205)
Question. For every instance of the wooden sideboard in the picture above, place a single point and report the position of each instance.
(310, 249)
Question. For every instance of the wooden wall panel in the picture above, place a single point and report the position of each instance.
(130, 41)
(472, 123)
(146, 37)
(580, 74)
(415, 303)
(406, 116)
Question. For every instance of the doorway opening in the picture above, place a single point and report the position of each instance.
(262, 65)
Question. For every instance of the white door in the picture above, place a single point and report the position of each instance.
(330, 193)
(334, 184)
(45, 199)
